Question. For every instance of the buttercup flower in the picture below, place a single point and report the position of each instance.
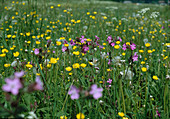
(80, 116)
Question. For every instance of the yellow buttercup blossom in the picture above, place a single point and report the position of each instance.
(123, 54)
(149, 51)
(91, 63)
(76, 53)
(121, 114)
(155, 77)
(58, 43)
(66, 45)
(144, 69)
(7, 65)
(142, 62)
(38, 42)
(63, 117)
(53, 60)
(83, 65)
(147, 44)
(29, 65)
(116, 46)
(80, 116)
(4, 51)
(68, 68)
(76, 65)
(16, 54)
(2, 55)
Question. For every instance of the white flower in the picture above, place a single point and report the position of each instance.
(32, 115)
(129, 74)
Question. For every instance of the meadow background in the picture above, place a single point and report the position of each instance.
(53, 54)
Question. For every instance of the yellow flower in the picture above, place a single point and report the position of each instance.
(48, 65)
(83, 65)
(155, 77)
(91, 63)
(141, 51)
(53, 60)
(66, 45)
(117, 42)
(116, 46)
(38, 42)
(147, 44)
(4, 51)
(47, 38)
(58, 43)
(108, 70)
(38, 74)
(142, 62)
(123, 54)
(29, 65)
(58, 5)
(68, 68)
(7, 65)
(149, 51)
(70, 74)
(76, 53)
(127, 43)
(76, 65)
(80, 116)
(121, 114)
(124, 118)
(144, 69)
(16, 54)
(2, 55)
(28, 34)
(74, 47)
(104, 43)
(63, 117)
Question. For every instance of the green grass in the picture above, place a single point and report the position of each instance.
(138, 97)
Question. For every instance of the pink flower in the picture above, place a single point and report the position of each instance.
(112, 44)
(12, 86)
(74, 92)
(124, 47)
(39, 84)
(36, 51)
(109, 81)
(96, 92)
(135, 57)
(64, 48)
(133, 46)
(19, 74)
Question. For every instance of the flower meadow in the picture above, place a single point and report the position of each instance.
(84, 60)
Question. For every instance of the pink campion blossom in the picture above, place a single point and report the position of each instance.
(135, 57)
(19, 74)
(109, 62)
(109, 81)
(124, 46)
(12, 85)
(97, 37)
(36, 51)
(74, 92)
(120, 39)
(96, 92)
(133, 46)
(39, 84)
(157, 112)
(85, 48)
(64, 48)
(109, 39)
(112, 44)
